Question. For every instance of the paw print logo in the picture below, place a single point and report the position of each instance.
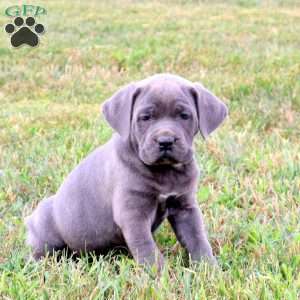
(27, 33)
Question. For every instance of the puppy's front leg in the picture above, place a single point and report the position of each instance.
(133, 216)
(186, 220)
(139, 239)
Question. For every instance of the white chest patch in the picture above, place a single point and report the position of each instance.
(164, 197)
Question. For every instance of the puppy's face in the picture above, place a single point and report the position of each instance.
(160, 115)
(163, 124)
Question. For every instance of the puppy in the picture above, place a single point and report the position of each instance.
(121, 192)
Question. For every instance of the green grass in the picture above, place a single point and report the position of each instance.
(246, 52)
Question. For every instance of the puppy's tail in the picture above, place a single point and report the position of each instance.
(42, 234)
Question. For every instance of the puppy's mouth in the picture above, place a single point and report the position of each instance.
(166, 158)
(153, 155)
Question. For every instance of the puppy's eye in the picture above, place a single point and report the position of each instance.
(145, 117)
(184, 116)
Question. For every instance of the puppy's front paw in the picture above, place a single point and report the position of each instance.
(213, 261)
(205, 256)
(210, 260)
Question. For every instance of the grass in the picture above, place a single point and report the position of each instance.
(247, 52)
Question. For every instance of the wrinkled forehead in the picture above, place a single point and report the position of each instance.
(164, 94)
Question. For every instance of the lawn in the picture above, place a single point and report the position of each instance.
(247, 53)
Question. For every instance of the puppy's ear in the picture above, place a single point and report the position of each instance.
(211, 110)
(118, 109)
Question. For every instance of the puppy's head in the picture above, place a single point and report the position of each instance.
(161, 115)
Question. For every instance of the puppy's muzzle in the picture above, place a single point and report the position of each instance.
(165, 141)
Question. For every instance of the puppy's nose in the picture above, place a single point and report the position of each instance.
(165, 142)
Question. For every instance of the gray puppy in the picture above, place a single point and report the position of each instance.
(121, 192)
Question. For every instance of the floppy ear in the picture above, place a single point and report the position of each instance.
(211, 110)
(118, 109)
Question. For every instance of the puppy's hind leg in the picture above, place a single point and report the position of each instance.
(42, 234)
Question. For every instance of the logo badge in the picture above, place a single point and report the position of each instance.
(24, 30)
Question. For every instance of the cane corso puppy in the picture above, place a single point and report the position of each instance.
(121, 192)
